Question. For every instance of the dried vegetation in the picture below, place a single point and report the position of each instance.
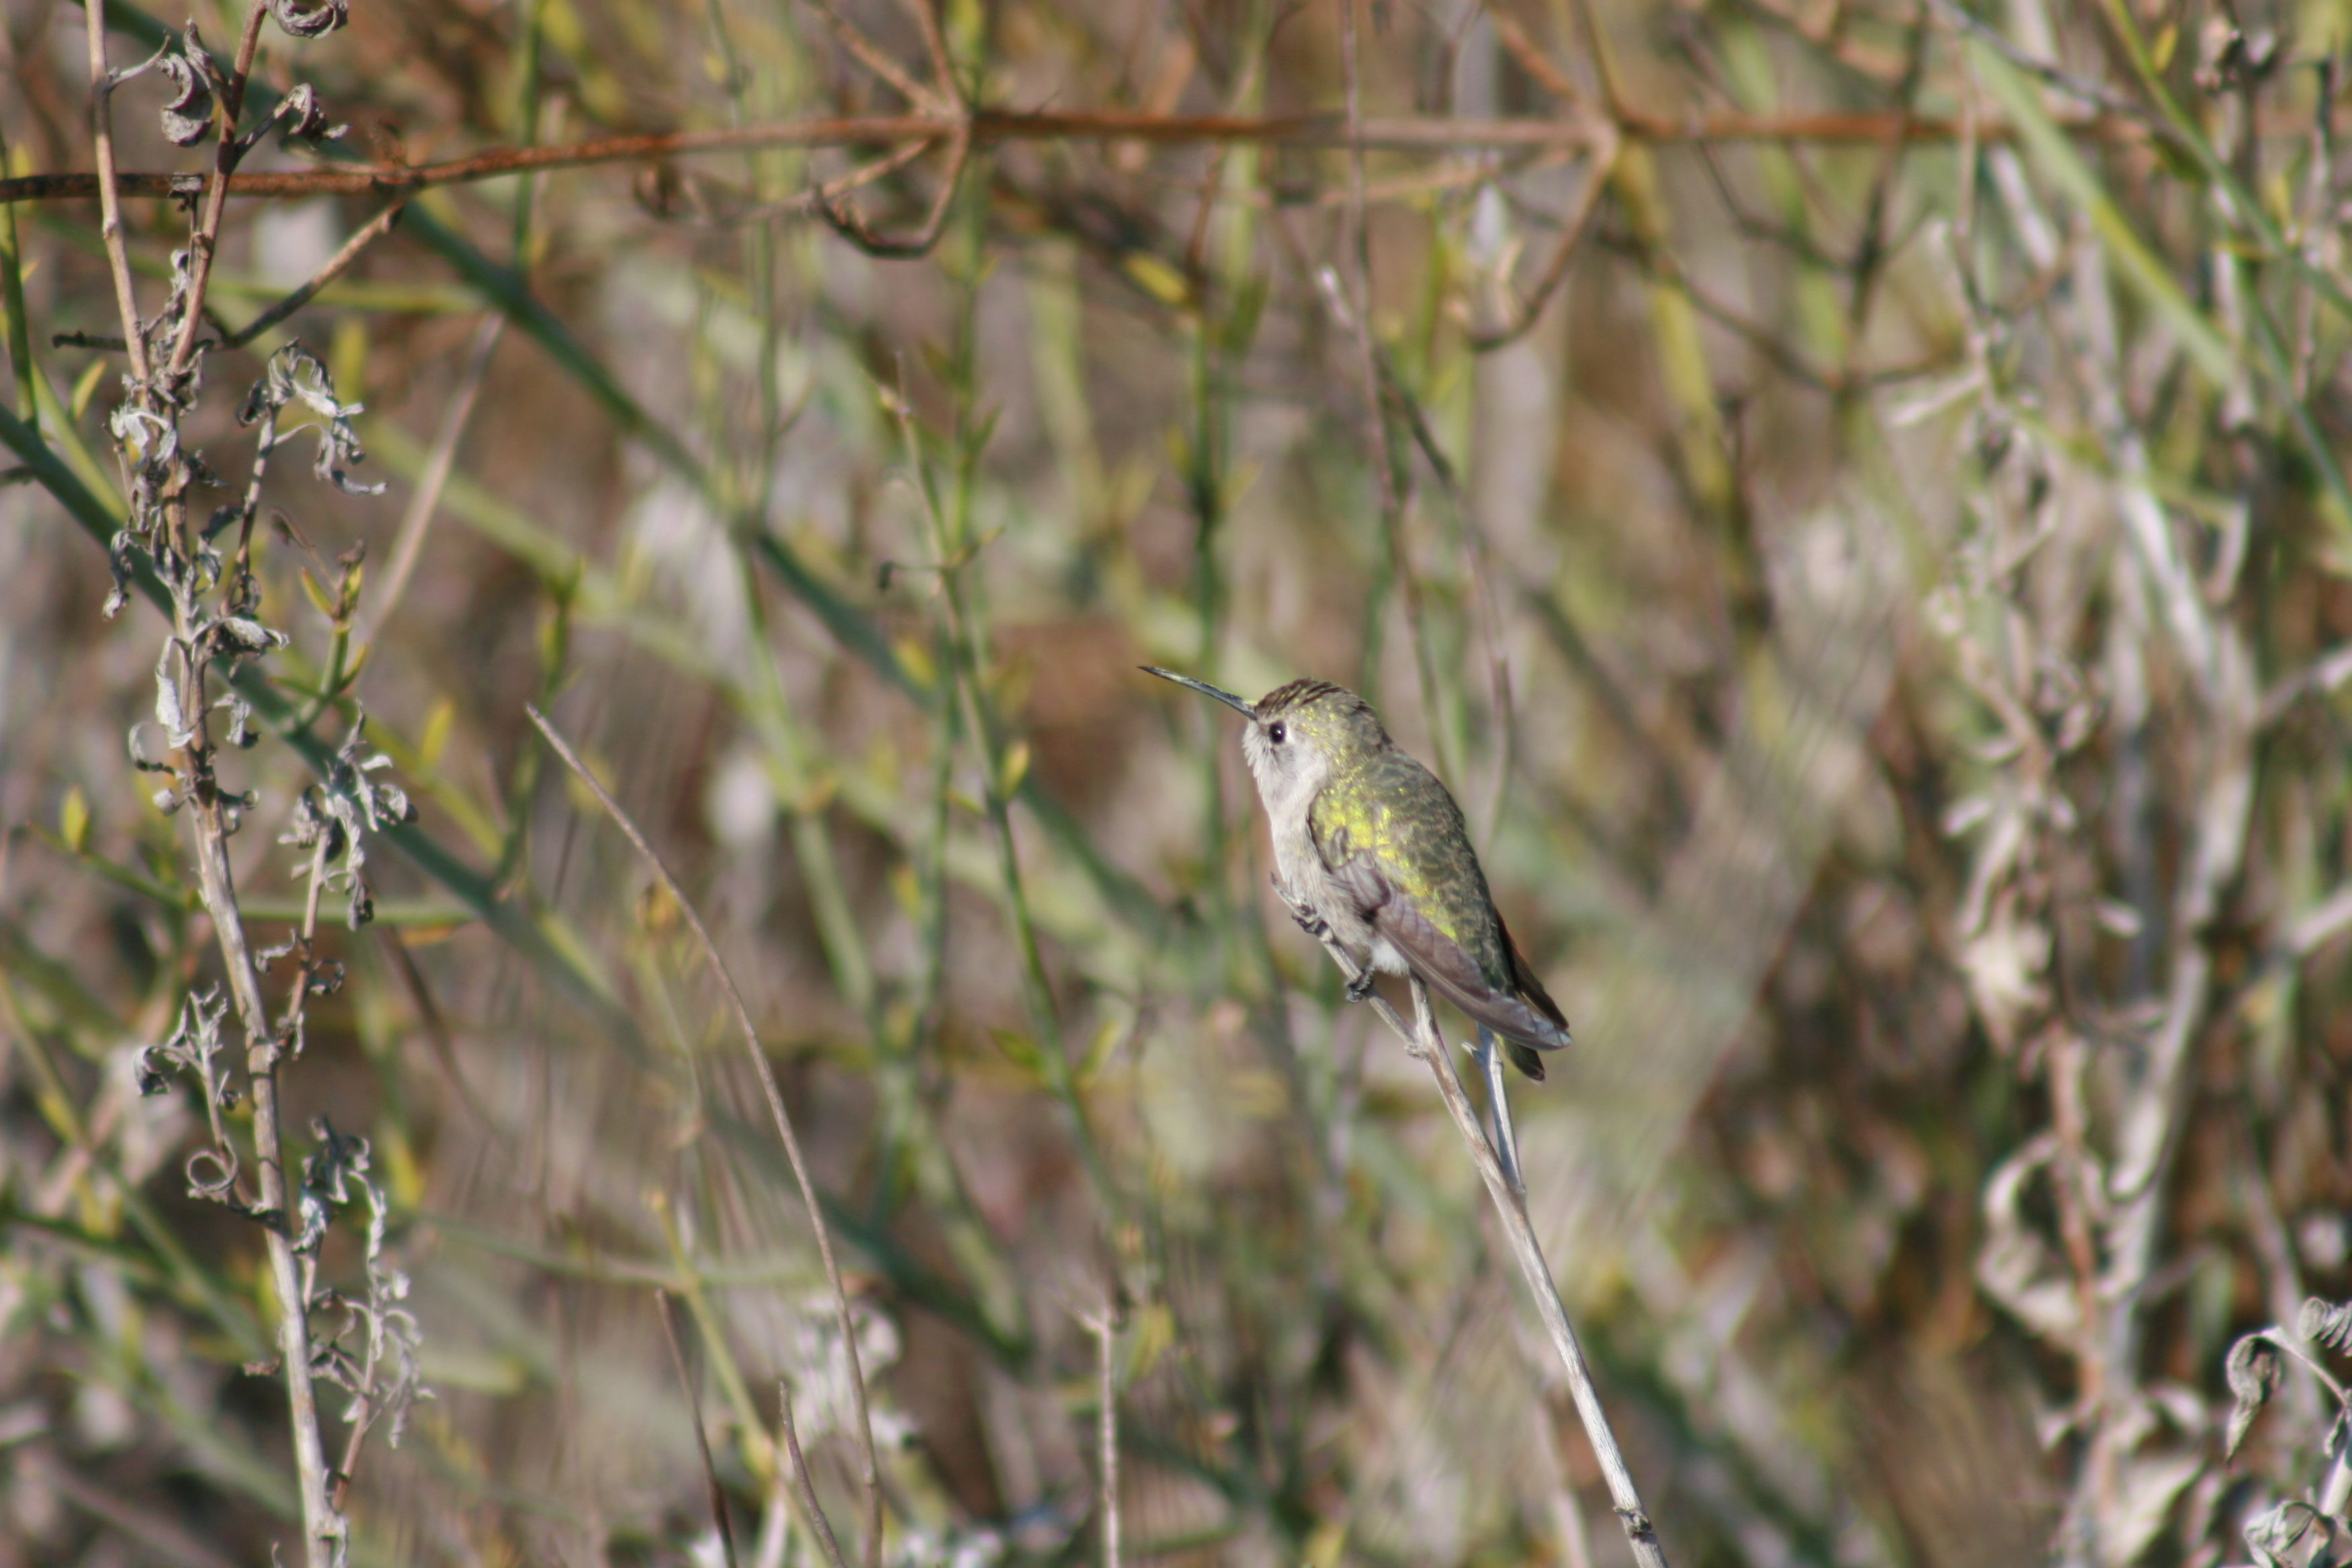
(1849, 492)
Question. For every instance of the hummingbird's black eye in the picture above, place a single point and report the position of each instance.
(1275, 733)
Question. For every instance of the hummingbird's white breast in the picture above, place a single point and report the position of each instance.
(1288, 779)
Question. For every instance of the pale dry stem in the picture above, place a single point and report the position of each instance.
(872, 1473)
(323, 1526)
(1423, 1038)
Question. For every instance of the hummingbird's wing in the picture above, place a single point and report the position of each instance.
(1453, 974)
(1439, 958)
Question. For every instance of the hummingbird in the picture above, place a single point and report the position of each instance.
(1370, 841)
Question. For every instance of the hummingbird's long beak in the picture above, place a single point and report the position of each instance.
(1246, 709)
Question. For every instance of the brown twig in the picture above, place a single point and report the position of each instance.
(375, 228)
(943, 98)
(875, 58)
(228, 149)
(847, 222)
(991, 127)
(790, 1141)
(107, 185)
(1525, 309)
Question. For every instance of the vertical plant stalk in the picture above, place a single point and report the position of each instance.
(206, 241)
(109, 197)
(712, 1490)
(324, 1529)
(801, 1480)
(12, 305)
(872, 1471)
(952, 548)
(1104, 1326)
(323, 1525)
(1423, 1040)
(1367, 353)
(361, 1413)
(909, 1118)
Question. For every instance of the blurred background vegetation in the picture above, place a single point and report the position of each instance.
(1852, 506)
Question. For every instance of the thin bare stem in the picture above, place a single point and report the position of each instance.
(875, 58)
(800, 1477)
(375, 228)
(1359, 249)
(106, 186)
(229, 150)
(1356, 313)
(991, 127)
(1526, 309)
(872, 1477)
(693, 1392)
(847, 222)
(934, 43)
(1104, 1326)
(1423, 1038)
(323, 1526)
(408, 545)
(323, 1522)
(953, 546)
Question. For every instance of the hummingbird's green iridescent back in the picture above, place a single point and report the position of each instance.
(1384, 802)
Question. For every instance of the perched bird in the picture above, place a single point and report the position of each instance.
(1369, 839)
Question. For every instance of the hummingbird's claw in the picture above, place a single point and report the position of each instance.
(1359, 989)
(1302, 911)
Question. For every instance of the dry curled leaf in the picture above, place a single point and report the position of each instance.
(187, 114)
(310, 18)
(2254, 1371)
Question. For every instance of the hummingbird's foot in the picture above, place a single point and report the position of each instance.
(1359, 989)
(1302, 911)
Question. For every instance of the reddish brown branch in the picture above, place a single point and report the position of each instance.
(989, 127)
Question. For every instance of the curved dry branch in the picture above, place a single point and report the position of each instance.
(872, 1477)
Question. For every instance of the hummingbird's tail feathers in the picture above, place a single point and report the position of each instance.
(1524, 981)
(1453, 974)
(1524, 1059)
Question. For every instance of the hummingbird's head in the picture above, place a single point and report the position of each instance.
(1298, 735)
